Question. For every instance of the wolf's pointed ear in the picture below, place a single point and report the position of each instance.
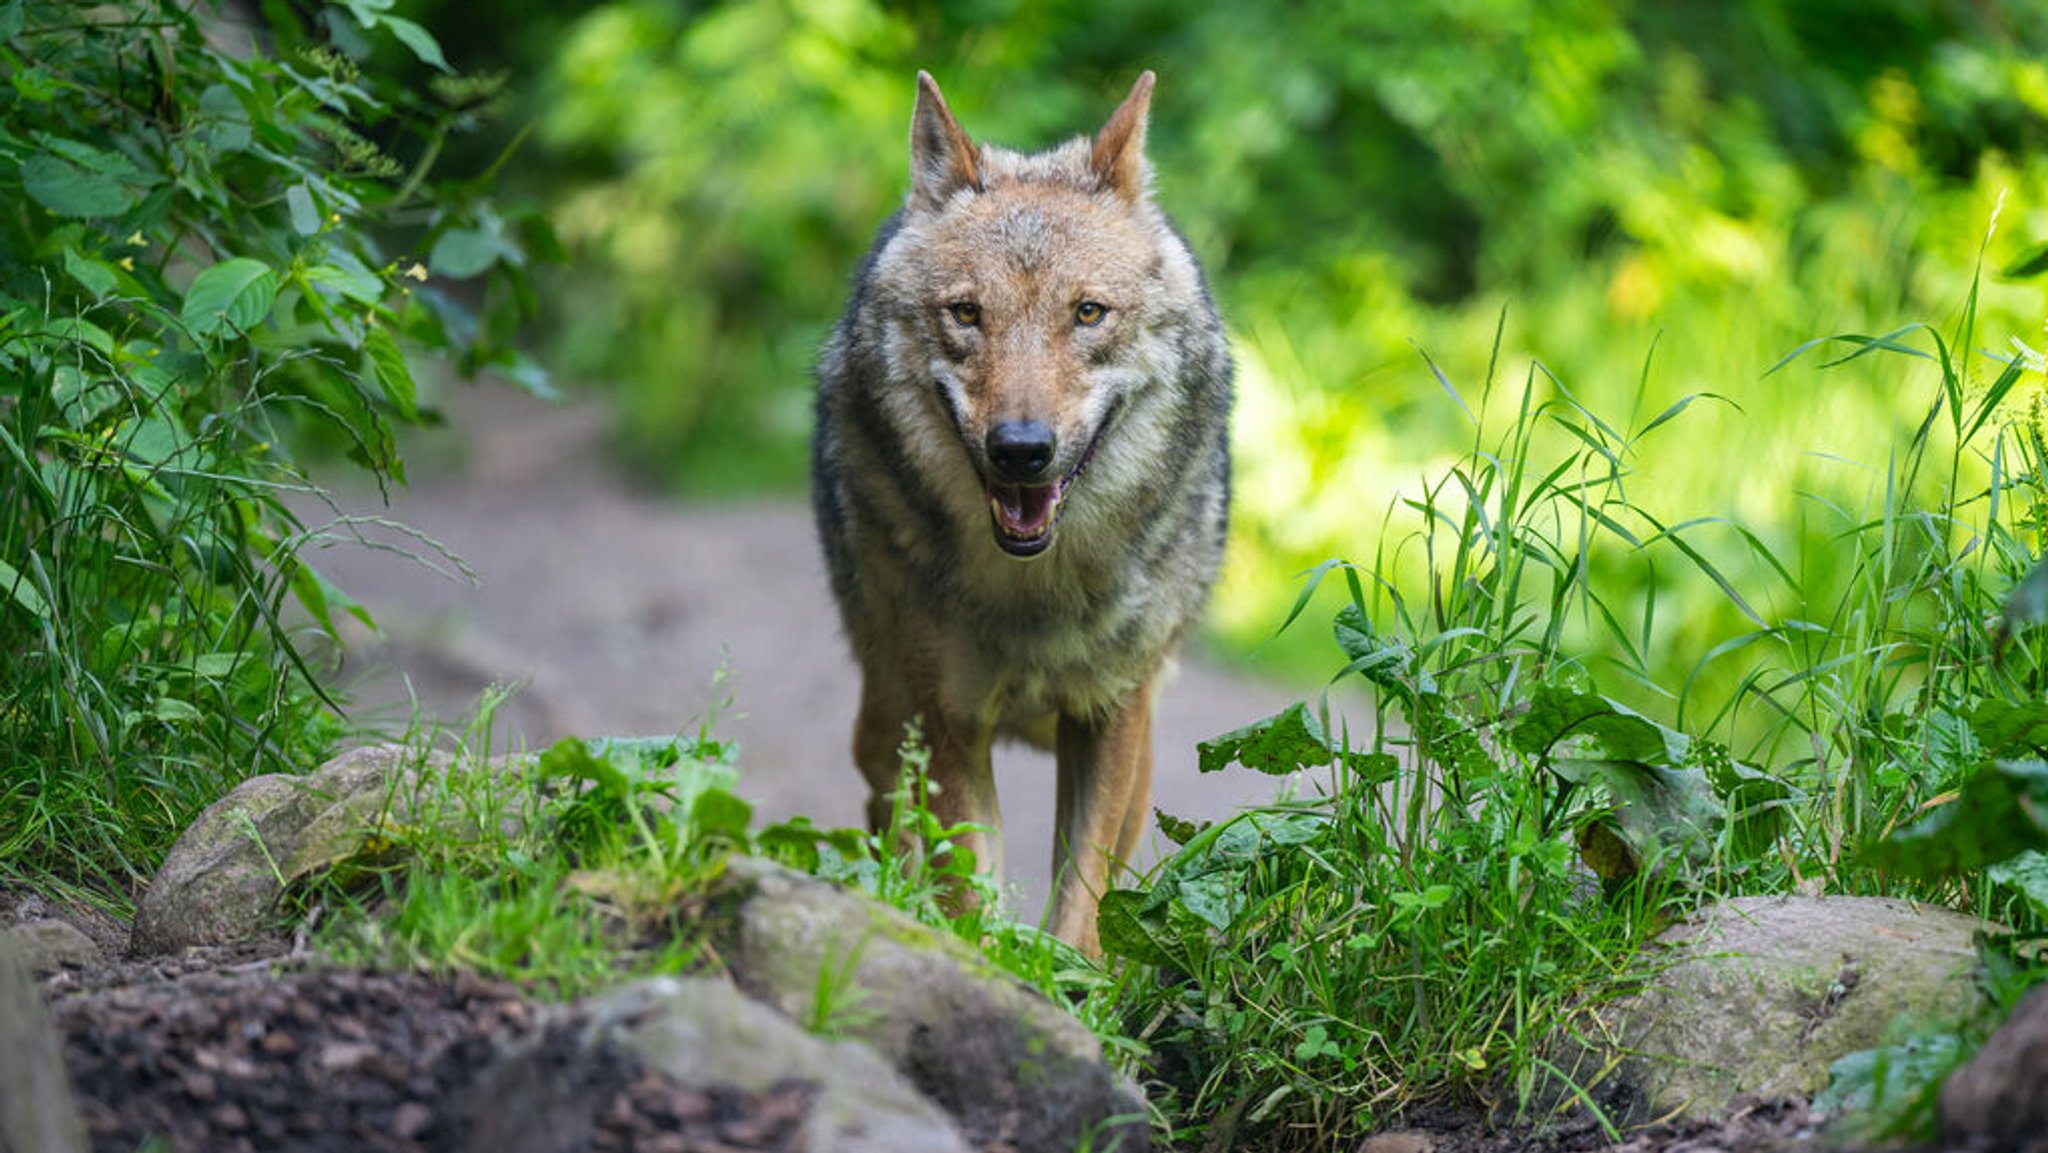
(1119, 154)
(942, 159)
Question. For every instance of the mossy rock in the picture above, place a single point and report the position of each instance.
(1759, 995)
(1018, 1071)
(222, 880)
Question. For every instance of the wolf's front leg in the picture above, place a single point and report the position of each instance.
(961, 774)
(1105, 787)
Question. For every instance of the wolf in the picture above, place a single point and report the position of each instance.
(1021, 479)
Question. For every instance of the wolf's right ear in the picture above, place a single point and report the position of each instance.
(942, 159)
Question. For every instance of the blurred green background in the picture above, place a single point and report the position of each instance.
(1660, 199)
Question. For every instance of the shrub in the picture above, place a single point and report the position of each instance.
(210, 251)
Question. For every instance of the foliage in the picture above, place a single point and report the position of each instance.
(592, 861)
(202, 263)
(566, 870)
(1718, 182)
(1484, 867)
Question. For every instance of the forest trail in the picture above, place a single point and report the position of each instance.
(616, 609)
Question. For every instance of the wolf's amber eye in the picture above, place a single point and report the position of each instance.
(1088, 314)
(966, 313)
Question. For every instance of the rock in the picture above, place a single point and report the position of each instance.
(1016, 1070)
(1997, 1098)
(221, 880)
(1761, 994)
(703, 1032)
(37, 1111)
(53, 944)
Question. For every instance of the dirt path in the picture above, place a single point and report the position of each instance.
(616, 609)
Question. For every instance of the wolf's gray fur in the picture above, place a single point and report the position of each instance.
(976, 314)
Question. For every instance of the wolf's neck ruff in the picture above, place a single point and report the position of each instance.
(1029, 366)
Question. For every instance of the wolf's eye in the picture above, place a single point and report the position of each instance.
(1088, 313)
(966, 313)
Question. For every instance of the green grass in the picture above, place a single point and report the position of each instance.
(195, 280)
(1541, 794)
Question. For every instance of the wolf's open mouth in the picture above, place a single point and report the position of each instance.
(1026, 513)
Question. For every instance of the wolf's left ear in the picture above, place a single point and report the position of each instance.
(1118, 157)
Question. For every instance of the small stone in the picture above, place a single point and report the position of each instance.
(1402, 1142)
(411, 1120)
(342, 1056)
(201, 1087)
(231, 1117)
(277, 1043)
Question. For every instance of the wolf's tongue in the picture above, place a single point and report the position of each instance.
(1024, 510)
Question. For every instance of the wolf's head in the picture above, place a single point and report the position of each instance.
(1037, 297)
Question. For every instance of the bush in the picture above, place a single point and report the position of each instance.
(203, 262)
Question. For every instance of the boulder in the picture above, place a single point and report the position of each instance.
(53, 944)
(1760, 995)
(1996, 1100)
(221, 881)
(37, 1111)
(703, 1032)
(1016, 1070)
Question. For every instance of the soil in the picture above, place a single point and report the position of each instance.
(258, 1048)
(340, 1061)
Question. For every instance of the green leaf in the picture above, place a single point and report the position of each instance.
(1288, 741)
(2011, 728)
(1658, 811)
(1999, 813)
(461, 253)
(2027, 604)
(80, 396)
(2030, 263)
(1890, 1078)
(70, 189)
(305, 214)
(1176, 829)
(95, 276)
(22, 592)
(2027, 875)
(1278, 745)
(1592, 727)
(1388, 665)
(223, 122)
(10, 19)
(1130, 924)
(418, 39)
(571, 757)
(35, 84)
(171, 710)
(230, 298)
(152, 439)
(219, 666)
(393, 374)
(349, 276)
(78, 330)
(720, 813)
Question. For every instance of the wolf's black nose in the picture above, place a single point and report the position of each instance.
(1020, 450)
